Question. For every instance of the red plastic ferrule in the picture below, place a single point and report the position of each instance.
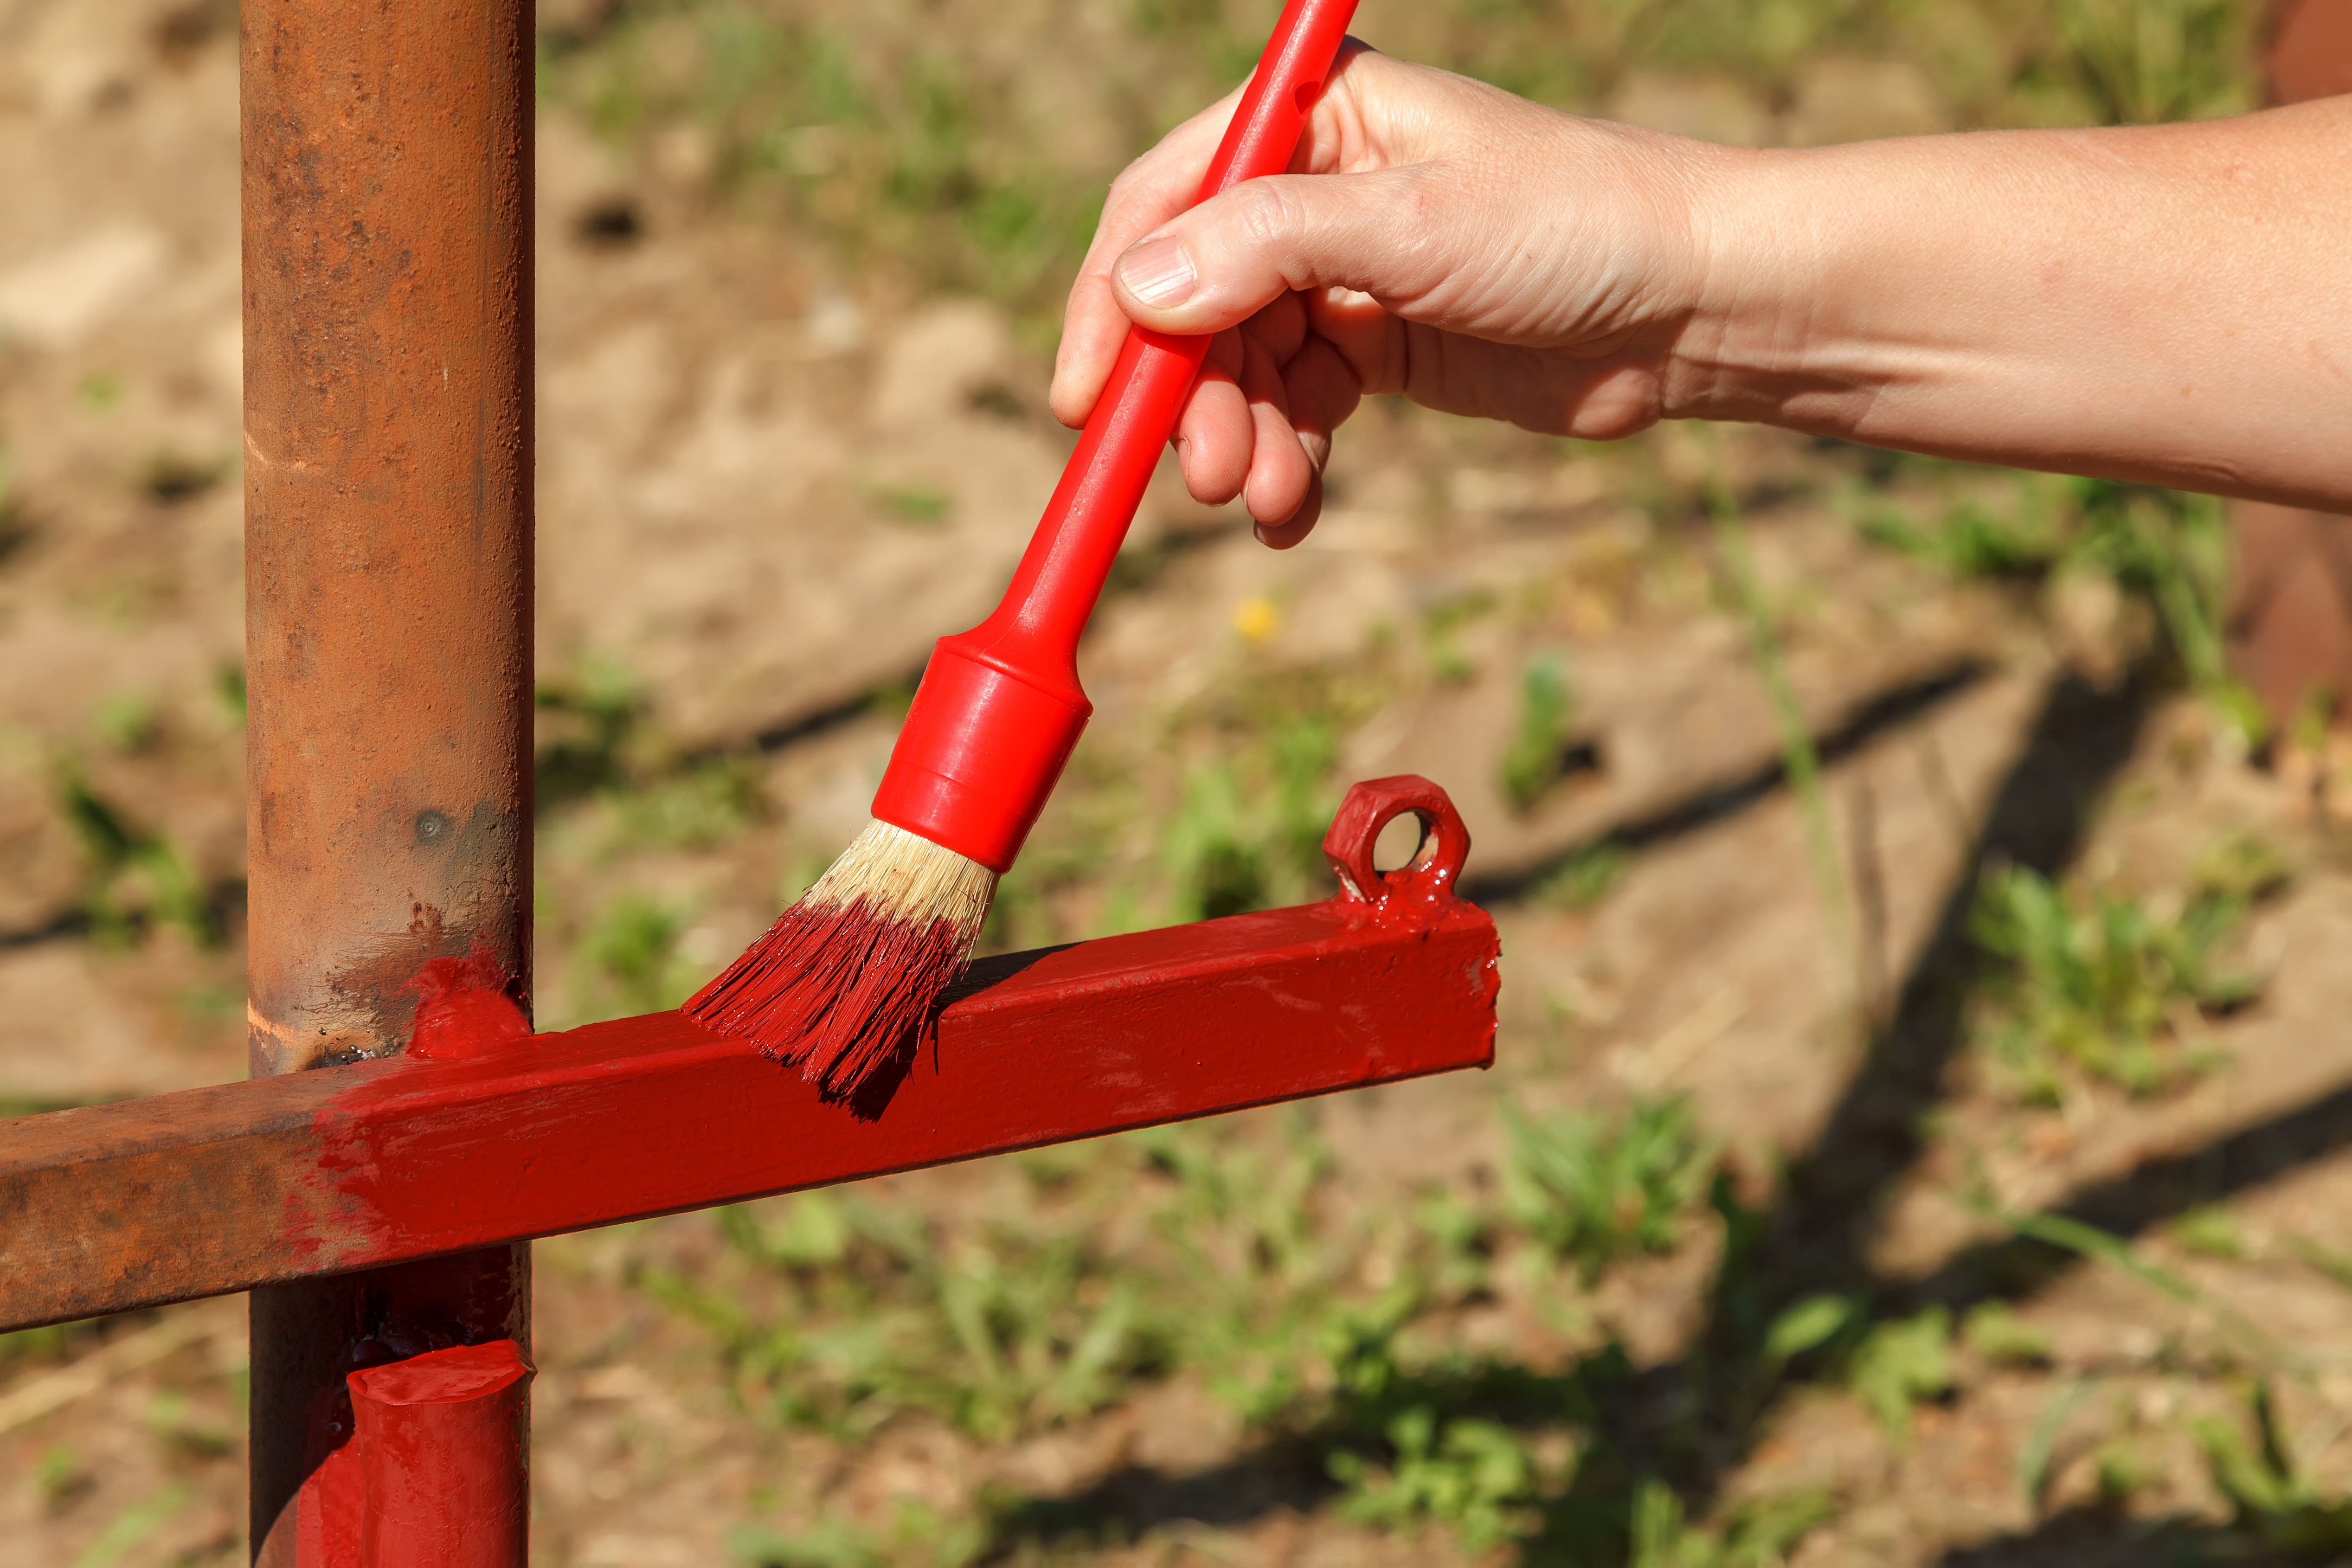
(979, 752)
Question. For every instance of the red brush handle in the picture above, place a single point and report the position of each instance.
(1000, 709)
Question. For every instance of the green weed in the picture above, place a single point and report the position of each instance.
(1592, 1192)
(2035, 1459)
(170, 1420)
(2212, 1230)
(2088, 1241)
(897, 147)
(998, 1330)
(1800, 761)
(134, 1525)
(1994, 1331)
(229, 688)
(597, 743)
(130, 876)
(2167, 549)
(2244, 866)
(631, 963)
(1584, 878)
(919, 505)
(1899, 1364)
(2150, 60)
(1248, 831)
(129, 722)
(1974, 541)
(1807, 1326)
(60, 1477)
(2105, 986)
(588, 736)
(1442, 625)
(917, 1535)
(1757, 1534)
(2273, 1500)
(14, 531)
(1535, 759)
(1474, 1476)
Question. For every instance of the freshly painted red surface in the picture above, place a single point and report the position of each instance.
(462, 1009)
(112, 1207)
(1000, 707)
(655, 1114)
(440, 1445)
(1426, 882)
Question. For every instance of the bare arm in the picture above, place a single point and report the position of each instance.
(2171, 304)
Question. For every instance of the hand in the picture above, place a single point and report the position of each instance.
(1440, 238)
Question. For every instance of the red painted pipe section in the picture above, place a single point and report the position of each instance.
(485, 1135)
(442, 1445)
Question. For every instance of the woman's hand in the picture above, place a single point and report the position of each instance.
(2165, 303)
(1440, 238)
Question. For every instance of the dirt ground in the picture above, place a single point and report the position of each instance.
(1957, 1237)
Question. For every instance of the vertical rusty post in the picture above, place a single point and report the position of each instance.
(386, 189)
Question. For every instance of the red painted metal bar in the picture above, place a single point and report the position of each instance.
(443, 1450)
(387, 273)
(496, 1137)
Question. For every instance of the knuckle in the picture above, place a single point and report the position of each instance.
(1269, 214)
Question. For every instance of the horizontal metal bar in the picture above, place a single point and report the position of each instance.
(212, 1190)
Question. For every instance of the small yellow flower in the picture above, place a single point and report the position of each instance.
(1255, 618)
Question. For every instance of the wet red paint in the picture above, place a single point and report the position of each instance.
(464, 1008)
(833, 990)
(440, 1445)
(326, 1513)
(651, 1115)
(349, 1167)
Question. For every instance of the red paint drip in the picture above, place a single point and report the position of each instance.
(834, 990)
(463, 1010)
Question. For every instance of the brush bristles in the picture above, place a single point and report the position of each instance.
(845, 977)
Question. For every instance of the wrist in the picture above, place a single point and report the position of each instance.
(1758, 261)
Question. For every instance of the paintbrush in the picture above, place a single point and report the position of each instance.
(848, 976)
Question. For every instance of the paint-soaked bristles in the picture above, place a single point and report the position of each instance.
(841, 983)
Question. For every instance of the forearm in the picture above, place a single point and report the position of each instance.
(2170, 304)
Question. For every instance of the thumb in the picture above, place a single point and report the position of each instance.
(1220, 263)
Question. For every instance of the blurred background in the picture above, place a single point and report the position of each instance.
(1917, 1129)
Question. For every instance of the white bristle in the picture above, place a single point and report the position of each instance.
(904, 877)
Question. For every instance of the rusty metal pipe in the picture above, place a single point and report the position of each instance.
(386, 193)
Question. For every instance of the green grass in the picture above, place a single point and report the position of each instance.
(1900, 1364)
(1584, 878)
(15, 531)
(130, 1528)
(2166, 549)
(1759, 1535)
(1537, 752)
(2102, 985)
(1475, 1475)
(1209, 1251)
(2272, 1499)
(628, 962)
(1592, 1192)
(132, 877)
